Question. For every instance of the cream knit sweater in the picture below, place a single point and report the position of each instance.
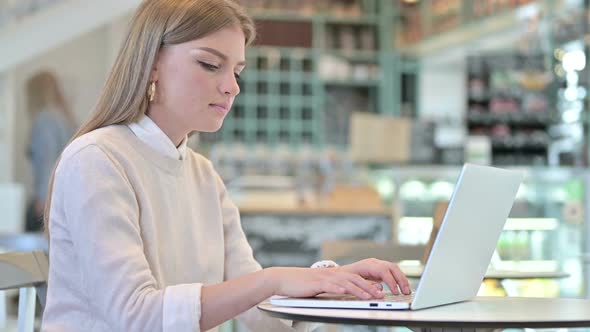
(134, 235)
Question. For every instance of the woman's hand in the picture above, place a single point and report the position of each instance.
(380, 271)
(306, 282)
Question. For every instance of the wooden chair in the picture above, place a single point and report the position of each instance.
(347, 251)
(26, 271)
(440, 208)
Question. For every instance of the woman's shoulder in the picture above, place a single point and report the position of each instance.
(202, 163)
(198, 159)
(106, 139)
(196, 156)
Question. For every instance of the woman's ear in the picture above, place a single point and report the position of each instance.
(154, 72)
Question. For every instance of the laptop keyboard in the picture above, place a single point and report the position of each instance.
(397, 298)
(389, 297)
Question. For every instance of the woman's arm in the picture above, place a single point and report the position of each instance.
(226, 300)
(247, 285)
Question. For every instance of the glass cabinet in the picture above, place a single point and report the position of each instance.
(546, 229)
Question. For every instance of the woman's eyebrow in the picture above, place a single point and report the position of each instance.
(219, 54)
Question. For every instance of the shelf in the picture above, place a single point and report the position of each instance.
(457, 38)
(485, 99)
(514, 118)
(515, 92)
(270, 101)
(351, 83)
(520, 143)
(355, 55)
(252, 50)
(299, 17)
(361, 20)
(283, 94)
(521, 148)
(281, 16)
(278, 75)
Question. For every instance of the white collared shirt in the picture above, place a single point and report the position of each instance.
(148, 132)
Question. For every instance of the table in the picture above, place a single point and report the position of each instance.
(481, 313)
(500, 277)
(416, 272)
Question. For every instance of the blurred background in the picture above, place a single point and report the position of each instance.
(353, 122)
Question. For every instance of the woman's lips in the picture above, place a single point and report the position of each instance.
(220, 108)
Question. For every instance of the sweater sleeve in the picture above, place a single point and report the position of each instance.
(102, 217)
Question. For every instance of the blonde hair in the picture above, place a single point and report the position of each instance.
(156, 23)
(44, 93)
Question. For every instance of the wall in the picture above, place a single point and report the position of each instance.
(7, 104)
(82, 66)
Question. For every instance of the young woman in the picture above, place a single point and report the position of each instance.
(52, 127)
(143, 235)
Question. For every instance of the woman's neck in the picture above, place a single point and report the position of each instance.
(175, 134)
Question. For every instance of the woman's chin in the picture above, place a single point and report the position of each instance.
(212, 128)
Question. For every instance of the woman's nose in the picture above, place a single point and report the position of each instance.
(230, 86)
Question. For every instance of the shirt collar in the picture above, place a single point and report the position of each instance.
(148, 131)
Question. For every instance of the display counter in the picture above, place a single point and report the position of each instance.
(340, 201)
(285, 228)
(547, 222)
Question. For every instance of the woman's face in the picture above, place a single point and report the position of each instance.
(197, 83)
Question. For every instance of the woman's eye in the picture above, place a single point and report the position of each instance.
(208, 66)
(237, 76)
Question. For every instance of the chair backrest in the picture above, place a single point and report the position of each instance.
(12, 205)
(346, 251)
(27, 271)
(440, 208)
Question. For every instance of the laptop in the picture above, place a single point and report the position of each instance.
(461, 252)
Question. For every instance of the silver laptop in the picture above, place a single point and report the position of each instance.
(461, 252)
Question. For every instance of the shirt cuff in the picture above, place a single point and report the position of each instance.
(182, 308)
(322, 264)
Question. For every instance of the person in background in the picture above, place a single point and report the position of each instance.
(52, 128)
(143, 234)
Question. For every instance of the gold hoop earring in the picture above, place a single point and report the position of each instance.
(152, 91)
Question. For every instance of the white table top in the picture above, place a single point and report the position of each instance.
(416, 272)
(481, 312)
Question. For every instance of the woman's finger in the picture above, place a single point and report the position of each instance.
(391, 274)
(331, 287)
(377, 285)
(352, 288)
(366, 285)
(389, 280)
(400, 278)
(376, 282)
